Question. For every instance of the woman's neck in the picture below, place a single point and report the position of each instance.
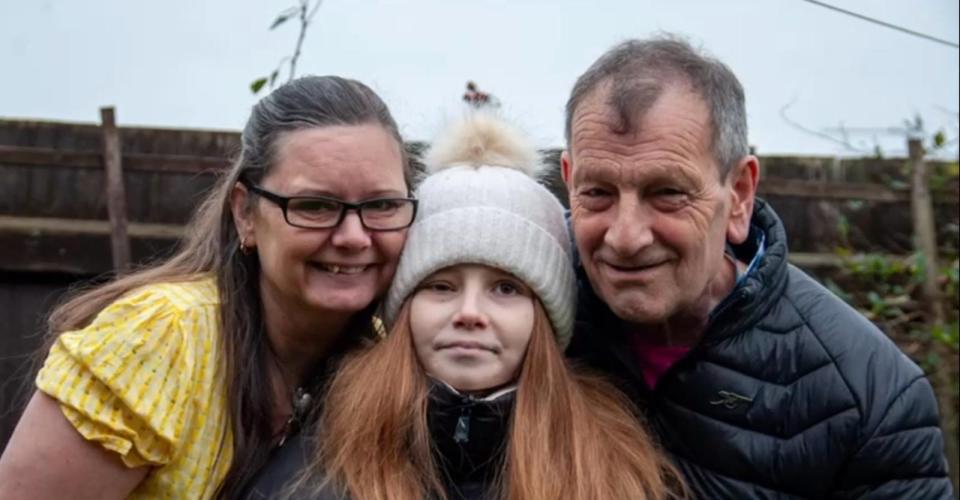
(298, 340)
(298, 337)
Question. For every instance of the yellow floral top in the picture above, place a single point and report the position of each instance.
(143, 380)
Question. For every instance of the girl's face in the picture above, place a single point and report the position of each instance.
(471, 325)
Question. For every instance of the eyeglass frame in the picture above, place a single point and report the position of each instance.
(283, 202)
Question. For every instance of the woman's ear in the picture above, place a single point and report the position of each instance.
(243, 215)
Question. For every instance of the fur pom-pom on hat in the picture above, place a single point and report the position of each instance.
(483, 139)
(481, 204)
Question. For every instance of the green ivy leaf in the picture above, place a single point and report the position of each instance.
(939, 139)
(279, 20)
(257, 84)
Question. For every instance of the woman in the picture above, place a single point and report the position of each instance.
(178, 380)
(469, 395)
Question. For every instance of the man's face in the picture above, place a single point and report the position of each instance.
(650, 213)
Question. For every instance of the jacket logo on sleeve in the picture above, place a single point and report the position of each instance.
(730, 400)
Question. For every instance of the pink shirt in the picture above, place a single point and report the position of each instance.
(653, 359)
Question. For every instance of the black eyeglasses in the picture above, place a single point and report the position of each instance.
(321, 212)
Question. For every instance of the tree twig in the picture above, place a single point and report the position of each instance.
(842, 142)
(306, 16)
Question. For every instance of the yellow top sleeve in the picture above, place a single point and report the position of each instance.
(128, 380)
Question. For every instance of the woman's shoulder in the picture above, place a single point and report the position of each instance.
(130, 378)
(163, 312)
(182, 296)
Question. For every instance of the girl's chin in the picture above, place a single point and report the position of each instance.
(472, 384)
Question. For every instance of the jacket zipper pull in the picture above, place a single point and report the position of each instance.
(461, 434)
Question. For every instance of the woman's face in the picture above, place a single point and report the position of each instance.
(340, 270)
(471, 325)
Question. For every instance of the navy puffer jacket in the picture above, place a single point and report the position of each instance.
(790, 394)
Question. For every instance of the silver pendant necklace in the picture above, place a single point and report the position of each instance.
(300, 405)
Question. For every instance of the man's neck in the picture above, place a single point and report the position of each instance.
(686, 328)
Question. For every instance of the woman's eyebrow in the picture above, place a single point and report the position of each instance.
(379, 193)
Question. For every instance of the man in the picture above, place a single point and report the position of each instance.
(758, 381)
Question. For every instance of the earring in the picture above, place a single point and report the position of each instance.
(244, 249)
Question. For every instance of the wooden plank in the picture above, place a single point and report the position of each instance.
(78, 254)
(41, 226)
(925, 240)
(25, 300)
(924, 230)
(116, 192)
(830, 260)
(36, 226)
(20, 155)
(831, 190)
(799, 188)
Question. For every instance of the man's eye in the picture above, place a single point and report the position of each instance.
(594, 199)
(670, 198)
(671, 192)
(594, 193)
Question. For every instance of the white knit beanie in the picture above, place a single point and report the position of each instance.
(481, 204)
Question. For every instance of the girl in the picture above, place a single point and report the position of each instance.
(469, 395)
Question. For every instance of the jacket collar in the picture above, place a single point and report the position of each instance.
(759, 290)
(469, 433)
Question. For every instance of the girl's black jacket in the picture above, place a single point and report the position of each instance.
(469, 435)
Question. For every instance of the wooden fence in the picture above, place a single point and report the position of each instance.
(56, 228)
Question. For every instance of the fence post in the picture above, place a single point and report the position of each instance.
(925, 241)
(116, 193)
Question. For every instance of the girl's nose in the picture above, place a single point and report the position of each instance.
(471, 315)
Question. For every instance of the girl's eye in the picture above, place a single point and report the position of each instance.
(437, 286)
(508, 288)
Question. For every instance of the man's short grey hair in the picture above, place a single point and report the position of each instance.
(639, 70)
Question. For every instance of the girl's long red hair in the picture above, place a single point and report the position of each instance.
(573, 436)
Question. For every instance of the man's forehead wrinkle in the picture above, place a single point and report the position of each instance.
(591, 119)
(670, 145)
(597, 168)
(638, 169)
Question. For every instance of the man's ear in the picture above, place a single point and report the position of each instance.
(242, 215)
(743, 179)
(566, 169)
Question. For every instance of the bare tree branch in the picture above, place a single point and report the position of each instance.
(844, 142)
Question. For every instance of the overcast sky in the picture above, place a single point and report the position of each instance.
(188, 63)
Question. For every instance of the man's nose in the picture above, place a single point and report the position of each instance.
(630, 231)
(351, 234)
